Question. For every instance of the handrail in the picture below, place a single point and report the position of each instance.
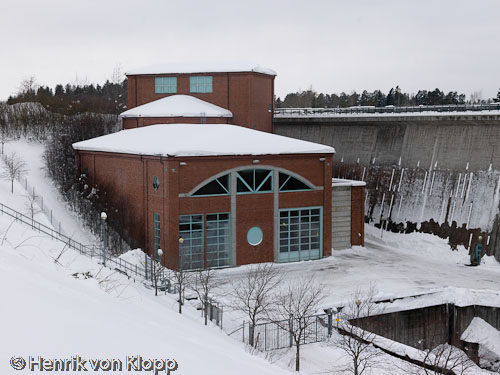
(312, 112)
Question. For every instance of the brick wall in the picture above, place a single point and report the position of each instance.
(247, 95)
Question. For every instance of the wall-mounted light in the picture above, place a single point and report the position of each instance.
(182, 163)
(322, 159)
(256, 161)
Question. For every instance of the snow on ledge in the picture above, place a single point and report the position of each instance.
(182, 68)
(343, 182)
(199, 140)
(178, 106)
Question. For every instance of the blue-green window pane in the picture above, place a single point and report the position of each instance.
(255, 236)
(156, 231)
(300, 234)
(219, 186)
(191, 246)
(165, 85)
(254, 181)
(289, 183)
(218, 240)
(200, 84)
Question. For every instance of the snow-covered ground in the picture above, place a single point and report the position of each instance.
(32, 154)
(51, 309)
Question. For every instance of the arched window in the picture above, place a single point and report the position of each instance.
(290, 183)
(219, 186)
(254, 181)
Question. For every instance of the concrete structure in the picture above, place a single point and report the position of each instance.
(215, 195)
(244, 89)
(437, 172)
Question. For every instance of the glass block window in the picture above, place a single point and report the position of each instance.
(200, 84)
(165, 85)
(300, 234)
(254, 181)
(219, 186)
(218, 239)
(156, 232)
(191, 248)
(289, 183)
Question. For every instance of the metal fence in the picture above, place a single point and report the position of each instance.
(38, 199)
(312, 112)
(214, 311)
(278, 335)
(129, 269)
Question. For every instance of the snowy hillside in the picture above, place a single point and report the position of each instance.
(58, 303)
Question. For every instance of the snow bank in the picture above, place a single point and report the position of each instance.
(199, 140)
(178, 106)
(484, 334)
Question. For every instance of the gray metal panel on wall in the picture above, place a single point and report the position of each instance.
(233, 218)
(341, 217)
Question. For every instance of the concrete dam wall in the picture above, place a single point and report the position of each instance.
(434, 173)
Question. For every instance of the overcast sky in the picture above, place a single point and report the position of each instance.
(329, 45)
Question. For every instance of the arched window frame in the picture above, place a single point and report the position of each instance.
(238, 169)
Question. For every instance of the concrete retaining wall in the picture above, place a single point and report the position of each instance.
(438, 174)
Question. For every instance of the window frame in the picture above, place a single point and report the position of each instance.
(228, 190)
(292, 256)
(281, 190)
(197, 87)
(182, 245)
(156, 232)
(270, 175)
(165, 88)
(218, 236)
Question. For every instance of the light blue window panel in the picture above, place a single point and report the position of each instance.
(191, 248)
(219, 186)
(156, 232)
(290, 183)
(255, 236)
(254, 181)
(218, 240)
(200, 84)
(301, 234)
(165, 85)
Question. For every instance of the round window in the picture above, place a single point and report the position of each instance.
(254, 236)
(156, 183)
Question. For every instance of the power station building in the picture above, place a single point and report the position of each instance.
(213, 194)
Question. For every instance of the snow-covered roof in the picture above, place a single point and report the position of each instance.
(180, 68)
(178, 106)
(344, 182)
(199, 140)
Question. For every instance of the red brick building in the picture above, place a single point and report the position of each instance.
(216, 195)
(211, 194)
(246, 90)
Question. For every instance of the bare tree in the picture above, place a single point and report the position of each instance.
(158, 270)
(182, 279)
(202, 283)
(252, 294)
(4, 137)
(353, 340)
(442, 359)
(14, 167)
(294, 310)
(31, 205)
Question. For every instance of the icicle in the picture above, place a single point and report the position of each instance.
(363, 177)
(435, 164)
(418, 163)
(467, 166)
(458, 186)
(400, 179)
(432, 182)
(392, 178)
(468, 187)
(468, 217)
(425, 181)
(490, 168)
(463, 187)
(399, 162)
